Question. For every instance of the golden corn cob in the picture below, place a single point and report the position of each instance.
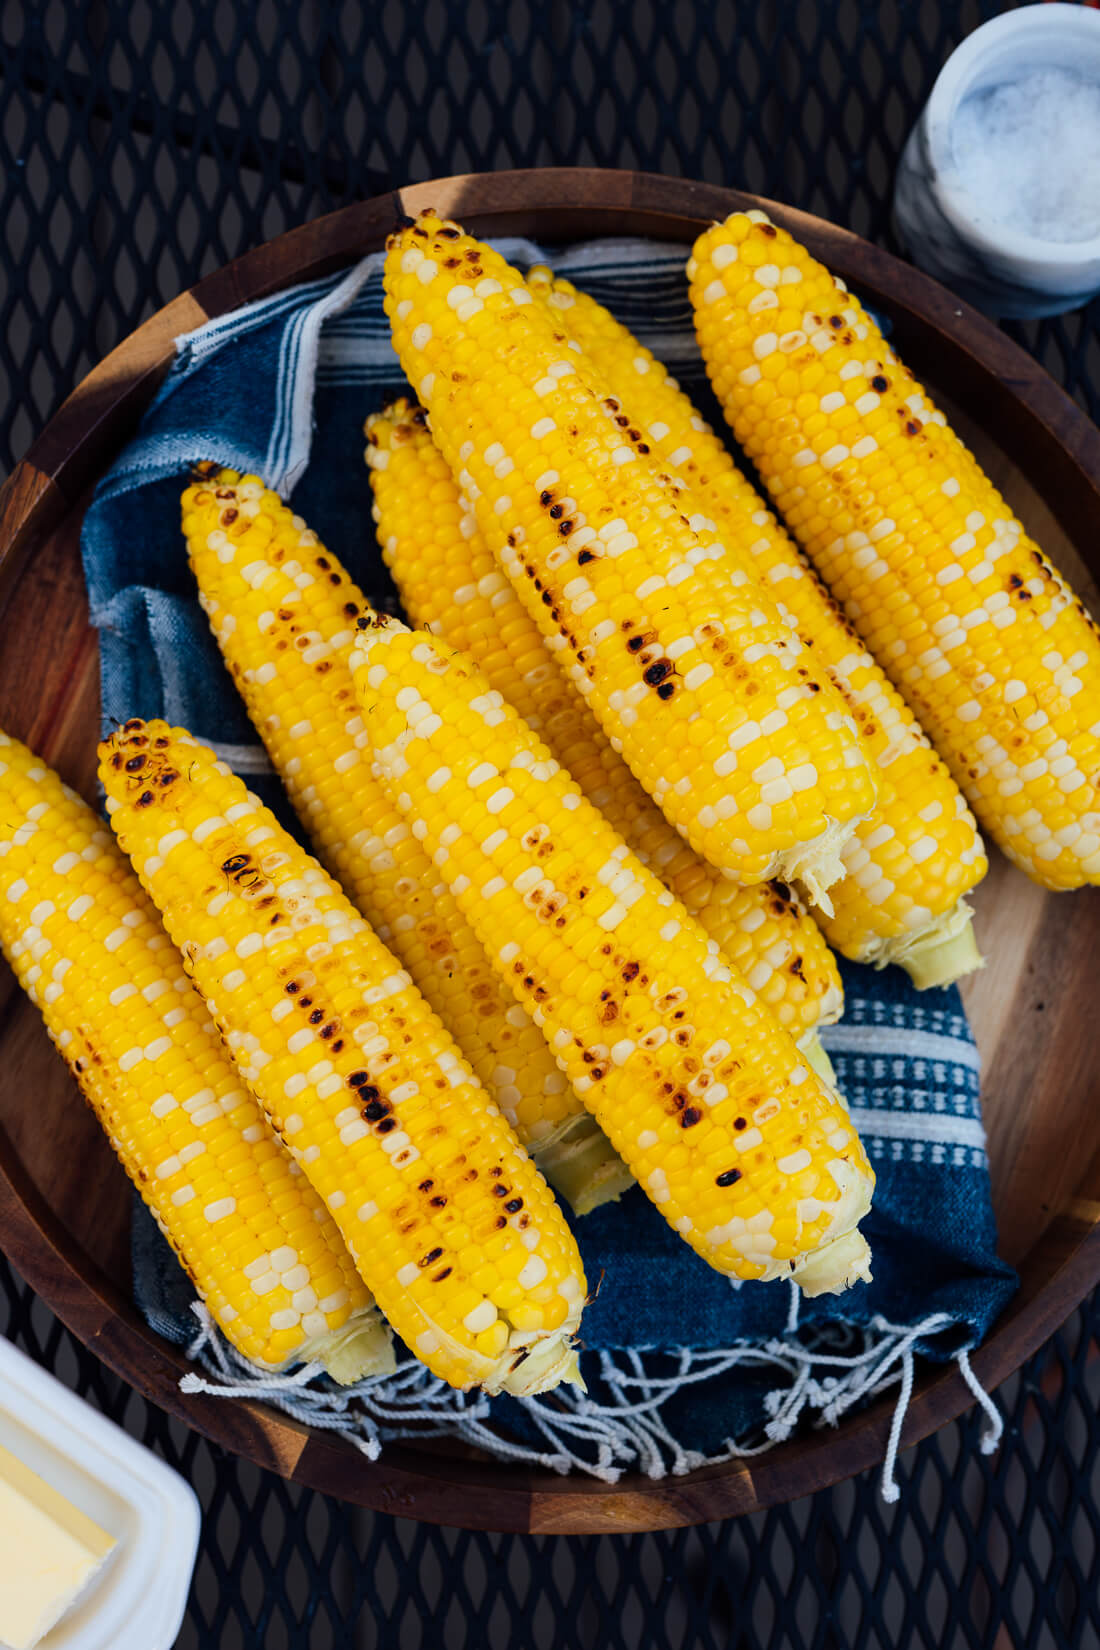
(748, 1155)
(446, 1217)
(449, 582)
(912, 862)
(283, 611)
(689, 668)
(979, 632)
(88, 947)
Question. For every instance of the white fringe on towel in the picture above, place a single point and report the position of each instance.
(821, 1372)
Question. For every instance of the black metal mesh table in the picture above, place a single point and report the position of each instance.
(142, 145)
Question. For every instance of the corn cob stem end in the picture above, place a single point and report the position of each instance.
(583, 1166)
(816, 1057)
(845, 1259)
(532, 1361)
(359, 1348)
(943, 953)
(552, 1362)
(835, 1266)
(816, 865)
(831, 1006)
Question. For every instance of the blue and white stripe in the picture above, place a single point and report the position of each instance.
(913, 1089)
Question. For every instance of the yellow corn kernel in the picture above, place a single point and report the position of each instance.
(449, 582)
(283, 611)
(87, 946)
(443, 1212)
(746, 1152)
(963, 611)
(717, 711)
(912, 862)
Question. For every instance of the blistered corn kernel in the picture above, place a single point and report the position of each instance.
(748, 1154)
(355, 1072)
(690, 669)
(88, 947)
(283, 610)
(978, 631)
(919, 853)
(450, 582)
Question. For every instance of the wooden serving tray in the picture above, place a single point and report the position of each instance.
(64, 1202)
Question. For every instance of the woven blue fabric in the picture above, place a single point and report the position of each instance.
(282, 389)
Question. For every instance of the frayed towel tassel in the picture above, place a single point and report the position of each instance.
(993, 1434)
(827, 1372)
(890, 1490)
(990, 1439)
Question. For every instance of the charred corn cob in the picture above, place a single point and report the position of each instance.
(447, 1219)
(689, 668)
(979, 632)
(748, 1155)
(88, 947)
(912, 862)
(283, 611)
(449, 581)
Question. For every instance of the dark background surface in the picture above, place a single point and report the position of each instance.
(141, 146)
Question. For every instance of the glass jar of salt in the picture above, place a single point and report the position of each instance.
(998, 189)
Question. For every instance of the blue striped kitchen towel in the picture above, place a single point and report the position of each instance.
(681, 1366)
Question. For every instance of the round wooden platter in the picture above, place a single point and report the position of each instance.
(64, 1203)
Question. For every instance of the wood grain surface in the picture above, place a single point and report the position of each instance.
(64, 1203)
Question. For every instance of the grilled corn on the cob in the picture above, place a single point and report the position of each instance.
(688, 666)
(446, 1217)
(992, 650)
(283, 611)
(449, 582)
(88, 947)
(748, 1155)
(911, 863)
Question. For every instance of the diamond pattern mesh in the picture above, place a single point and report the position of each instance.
(142, 144)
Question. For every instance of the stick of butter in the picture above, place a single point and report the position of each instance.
(49, 1551)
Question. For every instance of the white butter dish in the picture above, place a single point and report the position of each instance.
(136, 1602)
